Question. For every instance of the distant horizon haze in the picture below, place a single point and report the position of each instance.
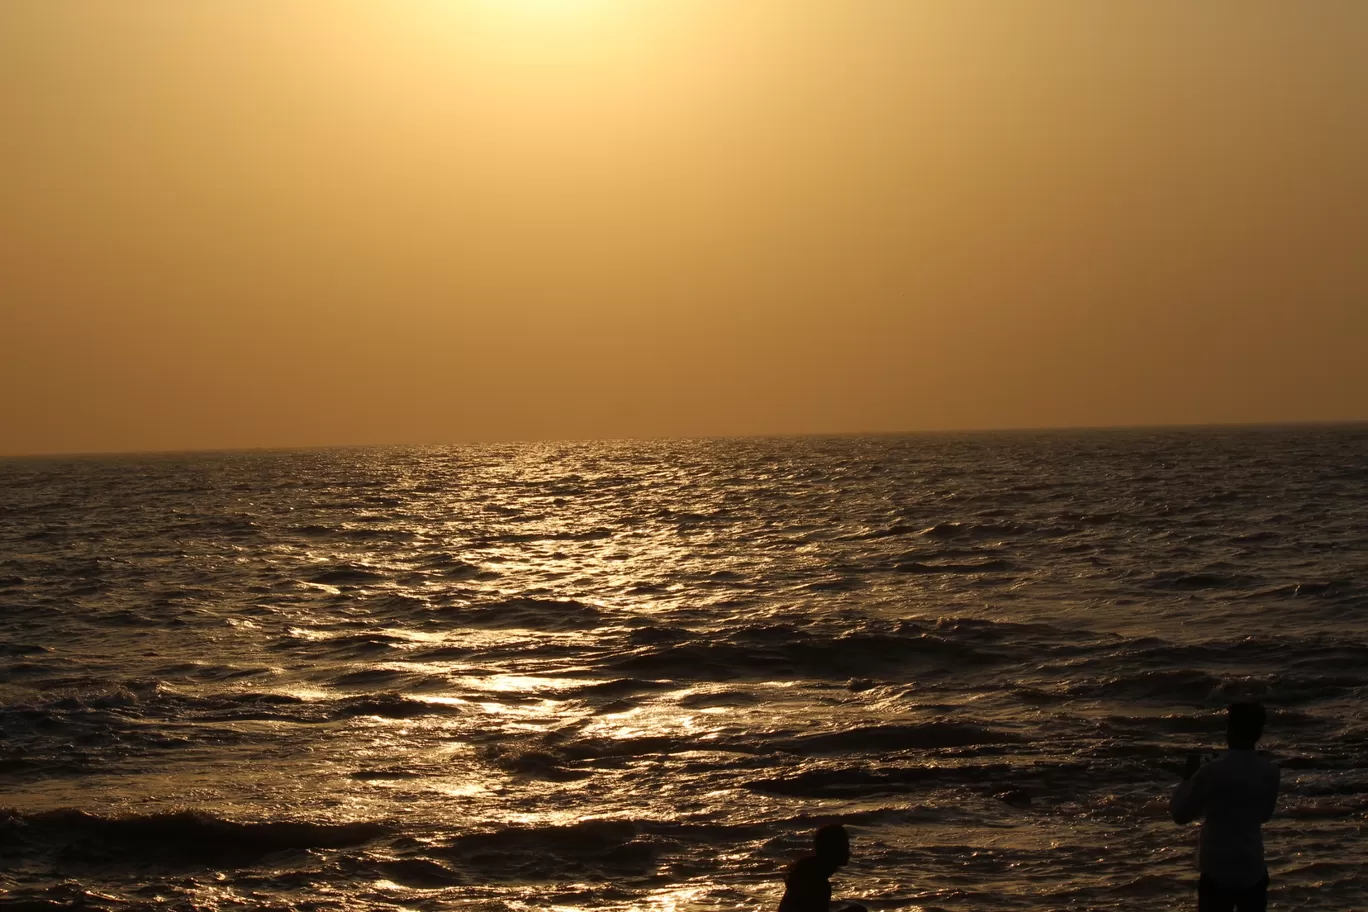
(1232, 427)
(353, 223)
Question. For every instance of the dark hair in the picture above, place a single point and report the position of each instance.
(832, 836)
(1244, 724)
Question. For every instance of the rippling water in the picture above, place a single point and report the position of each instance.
(638, 674)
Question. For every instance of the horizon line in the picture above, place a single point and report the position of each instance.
(1006, 429)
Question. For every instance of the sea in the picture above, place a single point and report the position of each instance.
(638, 674)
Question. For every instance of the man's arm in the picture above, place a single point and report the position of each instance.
(1189, 798)
(1271, 798)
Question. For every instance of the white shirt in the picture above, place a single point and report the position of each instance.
(1234, 795)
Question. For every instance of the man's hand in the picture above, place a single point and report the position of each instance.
(1194, 763)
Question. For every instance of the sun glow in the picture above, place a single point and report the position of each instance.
(541, 7)
(481, 33)
(536, 15)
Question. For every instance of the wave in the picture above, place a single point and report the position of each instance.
(860, 781)
(836, 584)
(551, 758)
(548, 852)
(882, 738)
(576, 838)
(392, 706)
(530, 613)
(452, 567)
(1295, 670)
(531, 763)
(557, 535)
(385, 677)
(1162, 684)
(417, 872)
(357, 645)
(18, 649)
(654, 635)
(374, 533)
(1324, 807)
(1315, 589)
(770, 649)
(709, 699)
(1183, 580)
(618, 687)
(988, 566)
(957, 530)
(129, 717)
(1020, 634)
(183, 837)
(347, 573)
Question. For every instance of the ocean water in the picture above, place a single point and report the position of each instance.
(637, 675)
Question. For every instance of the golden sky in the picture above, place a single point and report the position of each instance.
(299, 222)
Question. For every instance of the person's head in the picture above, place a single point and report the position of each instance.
(832, 844)
(1244, 725)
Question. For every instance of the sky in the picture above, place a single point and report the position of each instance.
(270, 223)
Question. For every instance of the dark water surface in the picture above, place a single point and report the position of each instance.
(638, 674)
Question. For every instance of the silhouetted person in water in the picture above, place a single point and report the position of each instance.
(1233, 795)
(808, 885)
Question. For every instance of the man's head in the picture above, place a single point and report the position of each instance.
(832, 844)
(1244, 725)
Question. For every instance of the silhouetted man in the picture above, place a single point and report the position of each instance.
(808, 885)
(1233, 795)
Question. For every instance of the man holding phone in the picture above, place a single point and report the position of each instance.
(1233, 794)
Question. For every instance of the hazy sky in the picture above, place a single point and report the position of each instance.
(235, 223)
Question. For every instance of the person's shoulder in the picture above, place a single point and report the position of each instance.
(1214, 768)
(807, 872)
(1255, 758)
(1239, 759)
(1242, 763)
(1224, 766)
